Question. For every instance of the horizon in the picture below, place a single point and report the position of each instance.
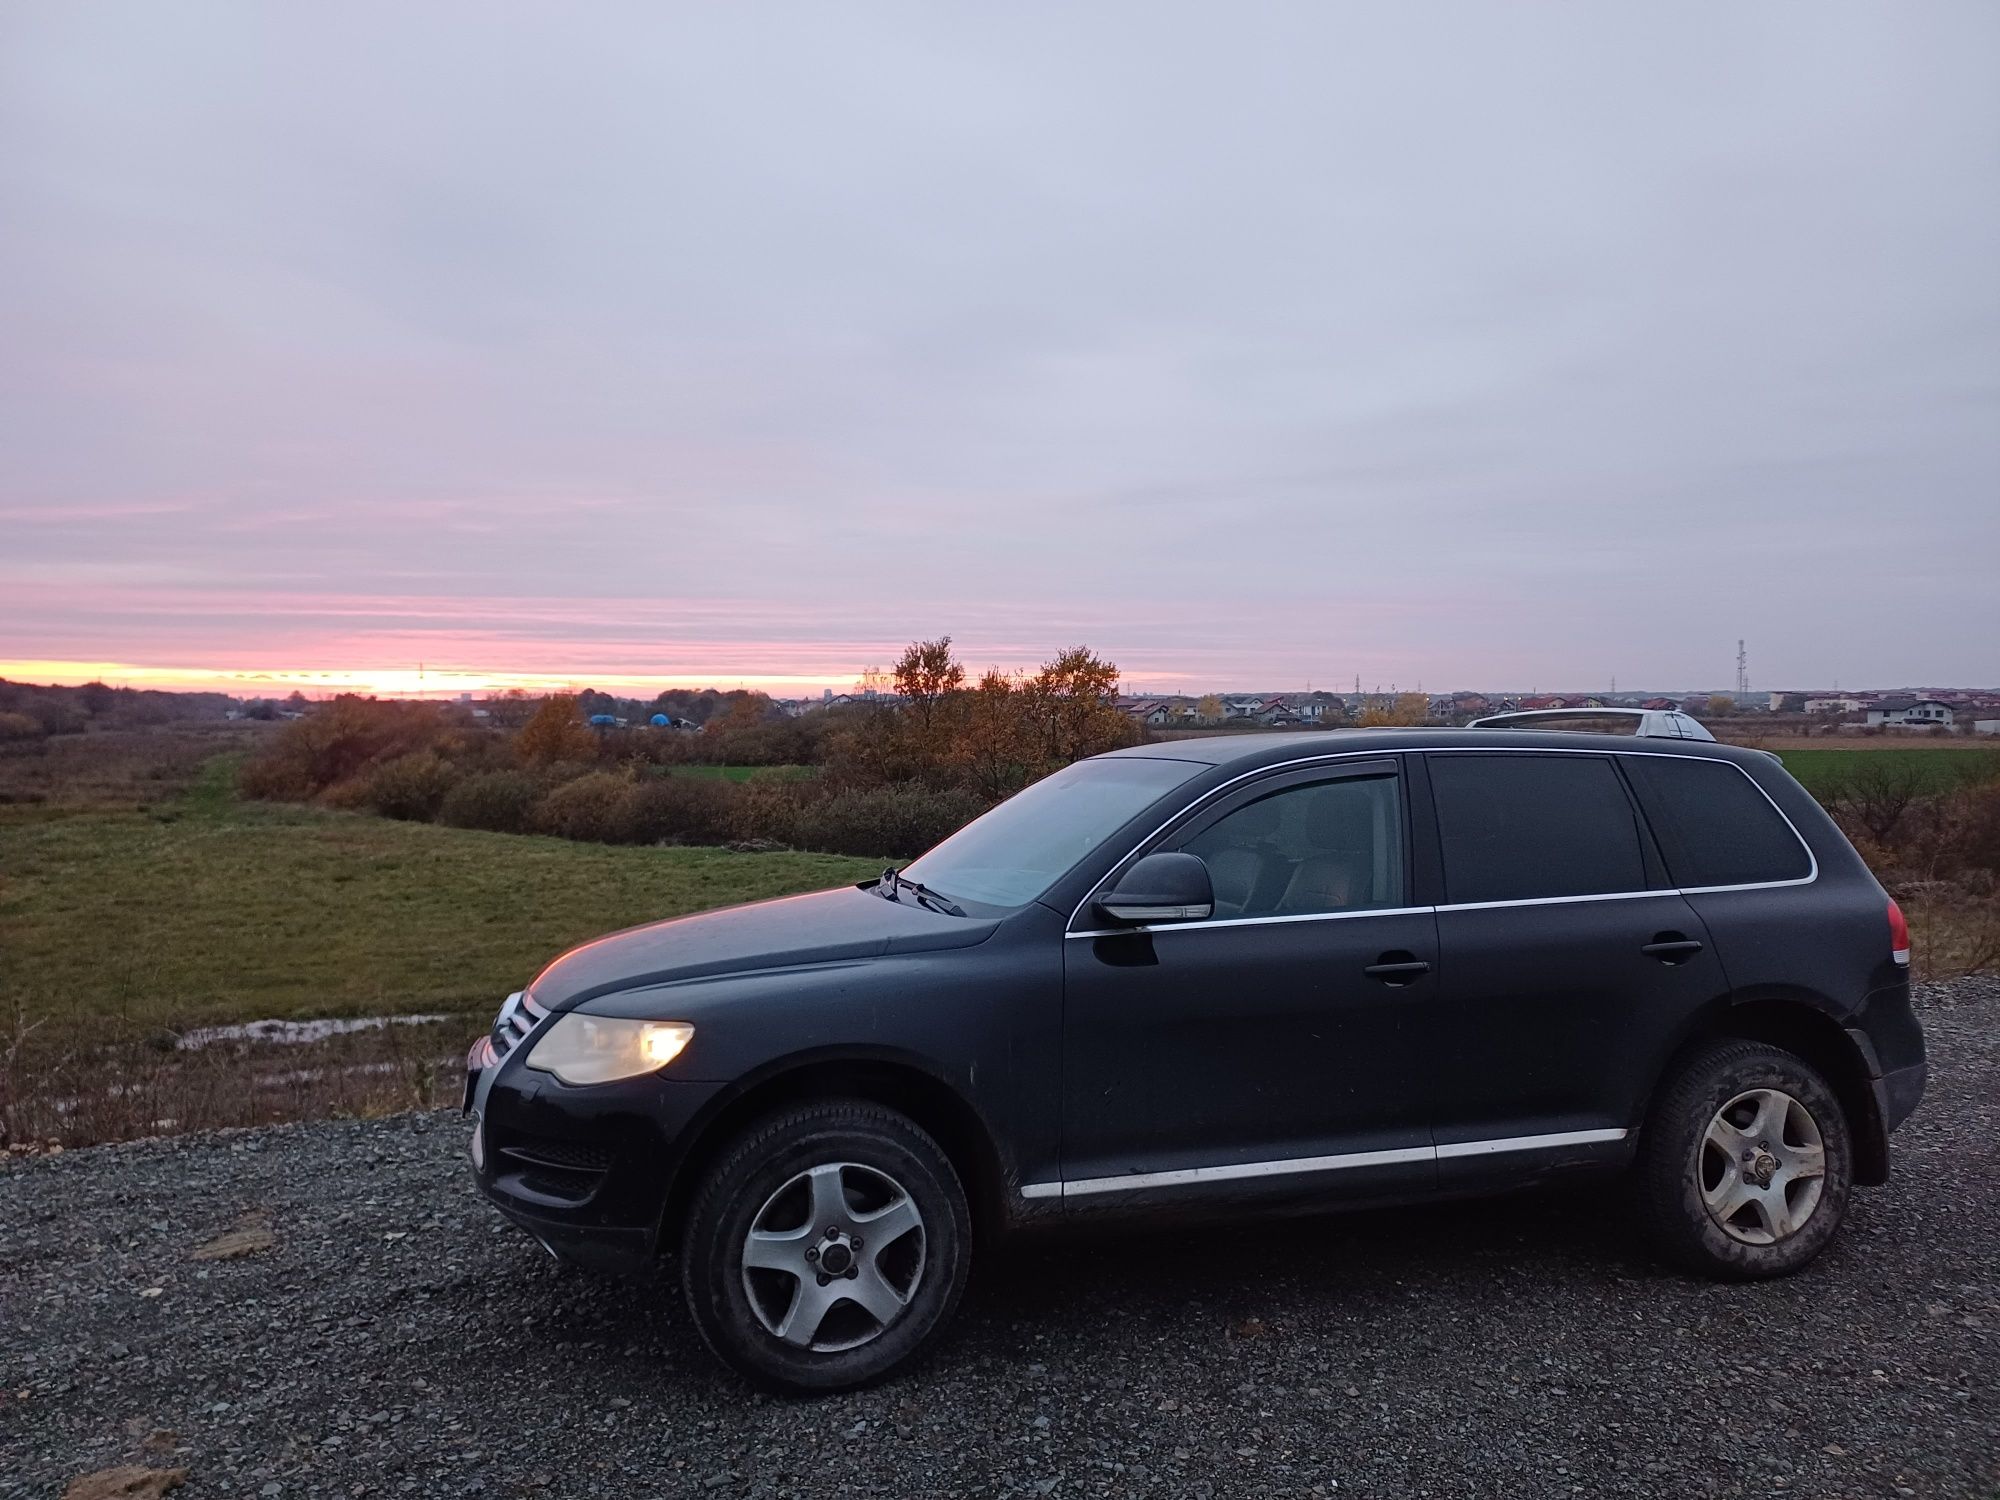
(446, 685)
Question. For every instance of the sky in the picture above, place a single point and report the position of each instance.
(1254, 346)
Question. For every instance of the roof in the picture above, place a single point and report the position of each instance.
(1250, 751)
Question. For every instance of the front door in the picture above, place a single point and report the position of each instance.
(1277, 1048)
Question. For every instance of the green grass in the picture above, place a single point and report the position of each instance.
(747, 773)
(1822, 771)
(212, 910)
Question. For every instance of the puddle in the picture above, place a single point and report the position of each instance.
(298, 1032)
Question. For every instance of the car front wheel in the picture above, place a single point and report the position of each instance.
(1746, 1166)
(826, 1247)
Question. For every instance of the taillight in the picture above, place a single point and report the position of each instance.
(1899, 935)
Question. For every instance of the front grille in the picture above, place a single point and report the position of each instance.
(518, 1016)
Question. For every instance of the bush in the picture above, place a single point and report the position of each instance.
(683, 809)
(410, 787)
(19, 727)
(897, 821)
(586, 808)
(497, 801)
(341, 741)
(765, 810)
(555, 734)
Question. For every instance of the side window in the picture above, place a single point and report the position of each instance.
(1321, 846)
(1518, 827)
(1714, 825)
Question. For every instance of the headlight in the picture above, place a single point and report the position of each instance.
(599, 1049)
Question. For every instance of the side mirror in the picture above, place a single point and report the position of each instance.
(1160, 888)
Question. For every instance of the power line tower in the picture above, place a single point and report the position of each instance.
(1742, 668)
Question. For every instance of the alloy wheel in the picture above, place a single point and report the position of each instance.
(1761, 1167)
(834, 1257)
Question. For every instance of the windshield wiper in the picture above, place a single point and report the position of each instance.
(894, 879)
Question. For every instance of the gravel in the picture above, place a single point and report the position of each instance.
(373, 1329)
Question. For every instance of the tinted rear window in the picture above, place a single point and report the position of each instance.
(1516, 827)
(1714, 825)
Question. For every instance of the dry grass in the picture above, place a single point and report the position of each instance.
(127, 768)
(133, 1081)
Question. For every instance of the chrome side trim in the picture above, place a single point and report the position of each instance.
(1665, 890)
(1811, 875)
(1529, 1143)
(1191, 1176)
(1298, 1165)
(1307, 916)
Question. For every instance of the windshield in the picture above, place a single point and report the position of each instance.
(1012, 854)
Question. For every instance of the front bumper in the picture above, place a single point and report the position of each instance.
(584, 1169)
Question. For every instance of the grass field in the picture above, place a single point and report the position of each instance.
(1823, 770)
(205, 909)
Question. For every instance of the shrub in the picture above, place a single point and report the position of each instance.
(410, 787)
(765, 810)
(19, 727)
(555, 734)
(497, 801)
(684, 809)
(586, 808)
(897, 821)
(340, 741)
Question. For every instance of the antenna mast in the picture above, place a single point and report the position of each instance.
(1742, 668)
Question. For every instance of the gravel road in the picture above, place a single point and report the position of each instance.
(394, 1339)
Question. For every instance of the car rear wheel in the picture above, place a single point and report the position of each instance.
(1745, 1167)
(826, 1247)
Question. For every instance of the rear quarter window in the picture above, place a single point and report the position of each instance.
(1714, 824)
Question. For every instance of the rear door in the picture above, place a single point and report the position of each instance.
(1570, 964)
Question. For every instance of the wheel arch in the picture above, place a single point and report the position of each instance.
(894, 1079)
(1808, 1028)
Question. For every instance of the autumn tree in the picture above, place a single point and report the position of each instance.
(1211, 709)
(1720, 705)
(993, 746)
(1403, 708)
(555, 733)
(1072, 706)
(926, 675)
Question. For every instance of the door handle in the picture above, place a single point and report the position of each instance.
(1398, 969)
(1671, 948)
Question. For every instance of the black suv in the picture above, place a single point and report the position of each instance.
(1240, 974)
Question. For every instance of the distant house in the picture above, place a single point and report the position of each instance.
(1911, 713)
(1545, 700)
(1663, 705)
(1146, 710)
(1835, 705)
(1242, 708)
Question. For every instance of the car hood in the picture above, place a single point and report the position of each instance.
(834, 926)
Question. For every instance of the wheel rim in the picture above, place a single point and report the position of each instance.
(834, 1257)
(1761, 1168)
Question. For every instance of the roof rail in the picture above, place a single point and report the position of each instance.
(1648, 723)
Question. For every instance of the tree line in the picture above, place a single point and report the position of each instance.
(889, 776)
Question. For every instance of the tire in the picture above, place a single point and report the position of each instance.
(899, 1256)
(1715, 1195)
